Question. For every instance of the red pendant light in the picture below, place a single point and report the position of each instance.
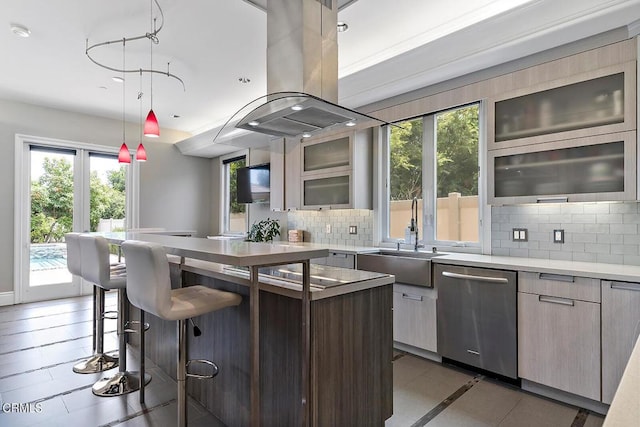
(123, 155)
(141, 153)
(151, 127)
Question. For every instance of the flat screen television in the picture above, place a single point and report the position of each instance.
(253, 184)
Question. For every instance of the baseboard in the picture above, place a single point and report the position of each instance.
(426, 354)
(563, 396)
(6, 298)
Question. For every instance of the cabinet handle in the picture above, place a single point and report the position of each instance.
(626, 286)
(472, 277)
(552, 199)
(338, 255)
(473, 352)
(412, 297)
(556, 277)
(556, 300)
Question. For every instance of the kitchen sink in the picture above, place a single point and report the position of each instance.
(409, 267)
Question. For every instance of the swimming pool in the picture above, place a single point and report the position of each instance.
(48, 256)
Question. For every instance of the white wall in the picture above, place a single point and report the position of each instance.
(177, 179)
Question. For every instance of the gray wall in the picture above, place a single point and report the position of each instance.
(177, 178)
(175, 190)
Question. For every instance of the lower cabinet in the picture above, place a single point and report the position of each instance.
(620, 329)
(559, 335)
(414, 316)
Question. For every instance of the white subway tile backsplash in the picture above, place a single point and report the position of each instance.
(585, 238)
(594, 232)
(597, 208)
(584, 256)
(609, 258)
(623, 208)
(583, 218)
(609, 218)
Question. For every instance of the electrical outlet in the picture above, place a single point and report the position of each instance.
(558, 236)
(327, 228)
(520, 235)
(353, 229)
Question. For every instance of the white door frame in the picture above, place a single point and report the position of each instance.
(22, 226)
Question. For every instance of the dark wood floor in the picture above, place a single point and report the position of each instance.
(39, 344)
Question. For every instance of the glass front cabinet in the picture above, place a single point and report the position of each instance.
(336, 171)
(594, 103)
(572, 139)
(596, 168)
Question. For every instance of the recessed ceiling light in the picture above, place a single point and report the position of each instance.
(306, 135)
(117, 79)
(102, 87)
(253, 123)
(244, 80)
(350, 124)
(296, 107)
(342, 27)
(175, 116)
(20, 30)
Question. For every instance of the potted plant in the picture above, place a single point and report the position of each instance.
(264, 230)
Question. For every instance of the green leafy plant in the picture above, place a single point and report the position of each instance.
(264, 230)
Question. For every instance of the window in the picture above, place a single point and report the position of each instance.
(234, 214)
(433, 161)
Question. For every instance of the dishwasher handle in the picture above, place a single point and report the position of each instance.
(461, 276)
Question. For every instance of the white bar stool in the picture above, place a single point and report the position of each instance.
(96, 269)
(149, 288)
(100, 361)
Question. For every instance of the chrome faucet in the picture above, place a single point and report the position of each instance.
(414, 221)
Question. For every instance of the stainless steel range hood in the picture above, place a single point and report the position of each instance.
(296, 113)
(302, 72)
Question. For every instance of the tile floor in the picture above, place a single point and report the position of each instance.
(40, 342)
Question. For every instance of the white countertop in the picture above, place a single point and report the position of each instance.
(344, 249)
(232, 252)
(625, 408)
(628, 273)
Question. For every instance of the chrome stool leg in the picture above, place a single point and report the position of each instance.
(100, 361)
(181, 373)
(123, 382)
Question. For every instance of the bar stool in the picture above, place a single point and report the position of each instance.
(96, 269)
(149, 288)
(99, 361)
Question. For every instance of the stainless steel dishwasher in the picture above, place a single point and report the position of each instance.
(476, 313)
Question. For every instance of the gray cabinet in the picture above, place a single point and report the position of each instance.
(597, 102)
(335, 171)
(559, 332)
(414, 316)
(620, 330)
(594, 168)
(285, 174)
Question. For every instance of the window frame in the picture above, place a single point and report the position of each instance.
(225, 216)
(429, 185)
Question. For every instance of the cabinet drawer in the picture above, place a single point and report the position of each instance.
(414, 316)
(559, 343)
(559, 285)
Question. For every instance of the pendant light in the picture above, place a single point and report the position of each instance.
(123, 155)
(151, 127)
(141, 153)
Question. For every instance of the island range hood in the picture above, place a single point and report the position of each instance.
(302, 73)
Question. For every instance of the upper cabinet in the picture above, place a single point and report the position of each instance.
(594, 103)
(571, 139)
(336, 171)
(596, 168)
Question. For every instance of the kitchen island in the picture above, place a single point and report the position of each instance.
(324, 351)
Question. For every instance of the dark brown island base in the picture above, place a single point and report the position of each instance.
(351, 346)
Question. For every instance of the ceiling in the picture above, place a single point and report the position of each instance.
(390, 48)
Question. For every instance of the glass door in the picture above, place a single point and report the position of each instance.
(68, 190)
